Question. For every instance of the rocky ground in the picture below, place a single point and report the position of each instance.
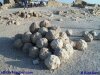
(11, 23)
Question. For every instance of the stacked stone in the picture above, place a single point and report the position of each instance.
(47, 43)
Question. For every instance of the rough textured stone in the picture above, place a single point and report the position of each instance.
(88, 37)
(52, 34)
(45, 23)
(94, 34)
(26, 38)
(69, 32)
(34, 52)
(56, 44)
(18, 43)
(26, 47)
(52, 62)
(42, 42)
(43, 31)
(44, 53)
(34, 27)
(36, 36)
(81, 45)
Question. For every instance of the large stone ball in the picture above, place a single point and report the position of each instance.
(56, 44)
(44, 53)
(81, 45)
(42, 42)
(52, 62)
(45, 23)
(33, 52)
(36, 36)
(34, 27)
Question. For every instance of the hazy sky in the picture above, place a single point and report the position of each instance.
(68, 1)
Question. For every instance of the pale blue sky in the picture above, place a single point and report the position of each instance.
(68, 1)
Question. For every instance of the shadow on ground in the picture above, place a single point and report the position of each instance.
(19, 59)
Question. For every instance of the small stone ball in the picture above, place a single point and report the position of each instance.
(52, 62)
(44, 53)
(26, 47)
(33, 52)
(36, 36)
(88, 37)
(81, 45)
(69, 32)
(45, 23)
(42, 42)
(34, 27)
(62, 54)
(84, 33)
(52, 34)
(43, 31)
(26, 38)
(56, 44)
(94, 34)
(18, 43)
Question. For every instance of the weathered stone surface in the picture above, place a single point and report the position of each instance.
(42, 42)
(52, 62)
(81, 45)
(94, 34)
(44, 53)
(34, 52)
(43, 31)
(56, 44)
(88, 37)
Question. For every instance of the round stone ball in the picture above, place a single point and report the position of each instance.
(88, 37)
(81, 45)
(42, 42)
(94, 34)
(43, 31)
(18, 43)
(62, 54)
(34, 27)
(26, 38)
(52, 34)
(26, 47)
(44, 53)
(34, 52)
(56, 44)
(36, 36)
(52, 62)
(45, 23)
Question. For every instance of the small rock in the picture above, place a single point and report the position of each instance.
(81, 45)
(98, 37)
(52, 62)
(56, 44)
(33, 52)
(36, 36)
(69, 32)
(45, 23)
(43, 31)
(42, 42)
(44, 53)
(26, 47)
(84, 33)
(94, 34)
(34, 27)
(18, 43)
(36, 62)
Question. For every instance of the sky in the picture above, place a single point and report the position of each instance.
(70, 1)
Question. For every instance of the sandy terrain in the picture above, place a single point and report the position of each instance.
(15, 60)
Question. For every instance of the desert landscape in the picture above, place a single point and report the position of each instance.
(75, 21)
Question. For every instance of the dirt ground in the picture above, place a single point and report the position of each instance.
(15, 60)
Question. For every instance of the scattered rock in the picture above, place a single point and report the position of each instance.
(42, 42)
(81, 45)
(56, 44)
(94, 34)
(34, 52)
(88, 37)
(52, 62)
(43, 31)
(44, 53)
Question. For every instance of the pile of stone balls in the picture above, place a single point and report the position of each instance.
(48, 44)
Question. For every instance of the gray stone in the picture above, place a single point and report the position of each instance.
(43, 31)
